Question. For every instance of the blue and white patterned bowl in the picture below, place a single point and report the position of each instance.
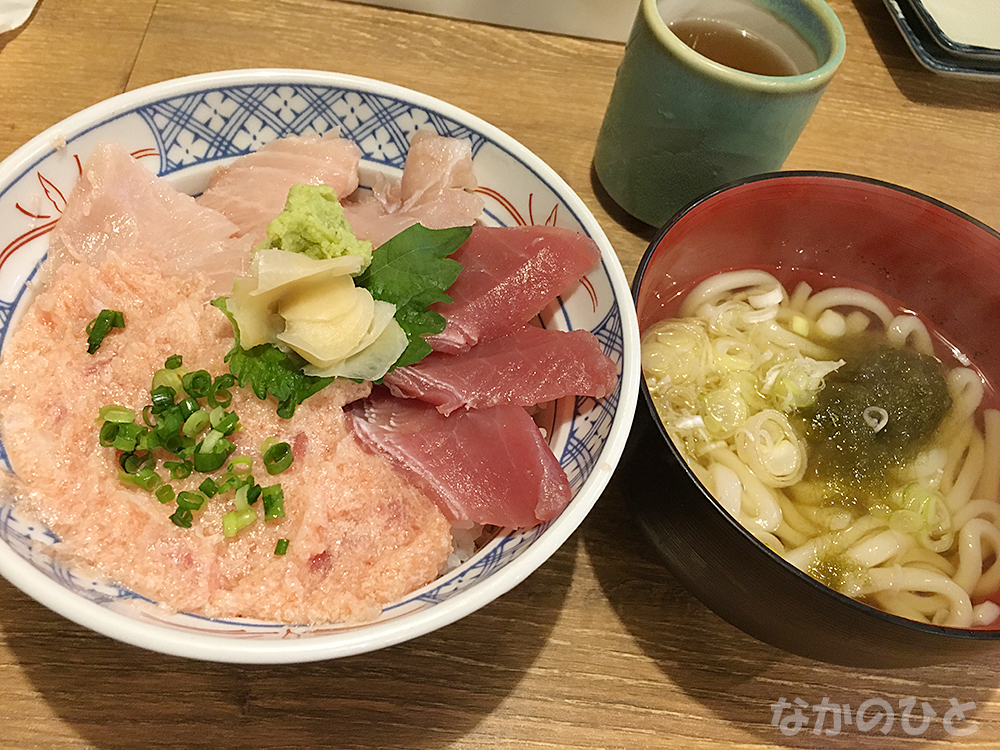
(184, 128)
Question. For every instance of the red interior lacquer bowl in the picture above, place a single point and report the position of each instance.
(932, 258)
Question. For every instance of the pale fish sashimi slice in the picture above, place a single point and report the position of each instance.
(529, 366)
(489, 466)
(252, 189)
(120, 207)
(509, 275)
(436, 190)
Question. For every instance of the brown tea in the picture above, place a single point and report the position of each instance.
(733, 47)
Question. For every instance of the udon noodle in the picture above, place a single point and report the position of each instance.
(758, 387)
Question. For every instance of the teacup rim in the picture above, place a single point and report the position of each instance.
(789, 84)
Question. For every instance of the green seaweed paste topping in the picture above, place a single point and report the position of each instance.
(873, 416)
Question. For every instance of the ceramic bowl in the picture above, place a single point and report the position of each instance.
(182, 129)
(934, 259)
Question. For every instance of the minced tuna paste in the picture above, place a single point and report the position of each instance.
(358, 536)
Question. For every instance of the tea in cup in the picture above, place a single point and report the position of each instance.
(711, 91)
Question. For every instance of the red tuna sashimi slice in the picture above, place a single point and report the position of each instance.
(436, 189)
(509, 275)
(120, 207)
(252, 189)
(489, 466)
(529, 366)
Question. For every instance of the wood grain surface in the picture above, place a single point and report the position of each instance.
(601, 647)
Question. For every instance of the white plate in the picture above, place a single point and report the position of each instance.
(929, 53)
(181, 129)
(965, 28)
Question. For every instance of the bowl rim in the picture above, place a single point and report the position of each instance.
(178, 641)
(867, 610)
(787, 174)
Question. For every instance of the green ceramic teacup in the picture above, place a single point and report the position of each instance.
(680, 124)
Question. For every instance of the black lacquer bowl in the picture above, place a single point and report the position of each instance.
(935, 260)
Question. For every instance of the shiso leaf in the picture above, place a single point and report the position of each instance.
(413, 271)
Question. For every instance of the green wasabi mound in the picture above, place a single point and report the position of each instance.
(313, 223)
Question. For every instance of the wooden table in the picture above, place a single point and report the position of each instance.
(601, 647)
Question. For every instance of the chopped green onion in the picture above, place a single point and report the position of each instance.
(108, 433)
(115, 413)
(132, 463)
(123, 442)
(219, 394)
(169, 422)
(163, 398)
(208, 487)
(101, 326)
(148, 440)
(179, 469)
(212, 452)
(197, 422)
(273, 499)
(241, 465)
(236, 520)
(281, 547)
(179, 444)
(231, 481)
(237, 474)
(127, 437)
(277, 458)
(253, 492)
(147, 479)
(208, 462)
(190, 500)
(188, 406)
(212, 440)
(224, 421)
(165, 378)
(125, 478)
(240, 501)
(165, 493)
(182, 517)
(174, 426)
(229, 423)
(197, 384)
